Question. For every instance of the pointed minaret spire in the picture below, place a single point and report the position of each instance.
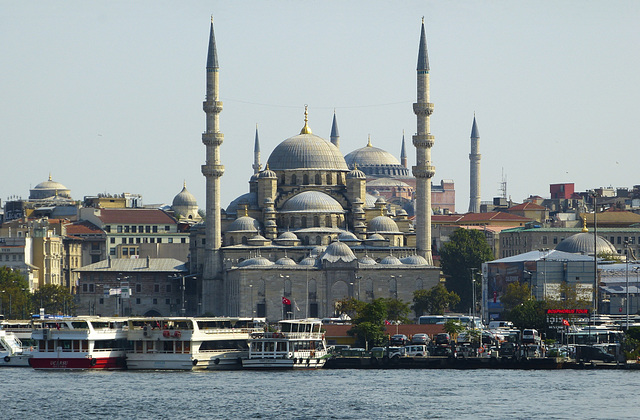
(423, 140)
(403, 153)
(474, 170)
(257, 166)
(212, 55)
(212, 170)
(335, 135)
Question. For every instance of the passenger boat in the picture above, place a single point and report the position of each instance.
(185, 343)
(80, 343)
(12, 352)
(298, 344)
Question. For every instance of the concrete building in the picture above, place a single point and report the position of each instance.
(307, 230)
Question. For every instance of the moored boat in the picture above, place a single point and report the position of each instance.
(185, 343)
(12, 352)
(80, 343)
(298, 344)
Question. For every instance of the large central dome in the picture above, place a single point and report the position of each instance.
(306, 151)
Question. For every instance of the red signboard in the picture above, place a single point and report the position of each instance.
(568, 311)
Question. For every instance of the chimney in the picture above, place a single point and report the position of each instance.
(148, 261)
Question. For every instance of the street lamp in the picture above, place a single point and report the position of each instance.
(473, 290)
(285, 278)
(626, 245)
(251, 293)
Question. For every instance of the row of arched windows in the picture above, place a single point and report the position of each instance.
(317, 179)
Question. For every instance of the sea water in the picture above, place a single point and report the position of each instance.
(322, 394)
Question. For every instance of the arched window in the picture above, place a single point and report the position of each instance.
(294, 179)
(303, 223)
(305, 179)
(318, 179)
(316, 221)
(231, 241)
(328, 179)
(244, 240)
(318, 240)
(283, 180)
(327, 222)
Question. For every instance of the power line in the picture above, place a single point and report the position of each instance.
(316, 107)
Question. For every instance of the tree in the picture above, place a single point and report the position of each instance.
(529, 314)
(14, 293)
(515, 294)
(465, 250)
(368, 325)
(54, 299)
(453, 327)
(350, 307)
(434, 301)
(397, 310)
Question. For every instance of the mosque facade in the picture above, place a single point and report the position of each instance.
(307, 233)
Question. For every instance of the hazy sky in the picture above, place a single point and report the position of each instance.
(107, 96)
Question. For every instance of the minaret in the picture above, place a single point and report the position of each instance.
(257, 166)
(423, 141)
(212, 171)
(403, 153)
(335, 135)
(474, 170)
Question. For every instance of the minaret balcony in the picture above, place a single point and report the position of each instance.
(424, 171)
(215, 171)
(423, 108)
(212, 106)
(423, 140)
(212, 139)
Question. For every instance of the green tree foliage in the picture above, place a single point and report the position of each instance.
(434, 301)
(368, 323)
(397, 310)
(465, 250)
(515, 294)
(350, 307)
(453, 327)
(14, 294)
(54, 299)
(529, 314)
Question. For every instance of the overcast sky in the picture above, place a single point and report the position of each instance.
(107, 95)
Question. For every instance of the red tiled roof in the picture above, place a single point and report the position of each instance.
(492, 216)
(133, 216)
(82, 228)
(527, 206)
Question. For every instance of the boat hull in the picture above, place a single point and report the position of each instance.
(82, 363)
(15, 360)
(283, 364)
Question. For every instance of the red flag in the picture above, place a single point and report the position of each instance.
(387, 322)
(285, 301)
(565, 322)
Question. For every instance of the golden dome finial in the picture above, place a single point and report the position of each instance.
(306, 129)
(49, 176)
(212, 19)
(584, 225)
(369, 141)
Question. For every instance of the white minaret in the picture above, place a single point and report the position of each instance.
(335, 134)
(474, 170)
(423, 141)
(257, 166)
(212, 171)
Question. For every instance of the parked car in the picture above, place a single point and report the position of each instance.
(416, 350)
(399, 340)
(420, 339)
(443, 338)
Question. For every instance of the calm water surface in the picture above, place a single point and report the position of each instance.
(338, 394)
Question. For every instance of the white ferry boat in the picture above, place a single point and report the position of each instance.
(185, 343)
(298, 344)
(80, 343)
(12, 352)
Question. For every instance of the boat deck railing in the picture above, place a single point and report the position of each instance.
(287, 335)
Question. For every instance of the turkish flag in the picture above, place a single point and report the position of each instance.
(565, 322)
(285, 301)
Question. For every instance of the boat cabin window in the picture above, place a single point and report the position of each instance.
(281, 346)
(100, 325)
(79, 325)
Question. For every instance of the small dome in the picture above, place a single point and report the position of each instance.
(306, 151)
(49, 185)
(184, 199)
(382, 224)
(370, 156)
(376, 237)
(380, 199)
(287, 236)
(244, 224)
(338, 251)
(582, 243)
(249, 198)
(308, 261)
(347, 236)
(317, 251)
(414, 260)
(268, 173)
(285, 261)
(257, 261)
(312, 202)
(401, 212)
(254, 178)
(258, 238)
(356, 174)
(366, 260)
(390, 260)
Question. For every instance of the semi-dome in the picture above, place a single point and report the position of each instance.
(390, 260)
(582, 243)
(255, 262)
(383, 224)
(308, 261)
(347, 236)
(376, 237)
(287, 236)
(414, 260)
(248, 198)
(312, 202)
(306, 151)
(338, 251)
(244, 224)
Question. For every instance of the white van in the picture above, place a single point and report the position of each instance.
(496, 325)
(416, 350)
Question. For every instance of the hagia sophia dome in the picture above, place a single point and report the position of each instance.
(374, 161)
(49, 189)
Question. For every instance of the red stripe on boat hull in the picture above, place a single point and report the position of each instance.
(77, 363)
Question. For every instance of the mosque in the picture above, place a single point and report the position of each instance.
(308, 234)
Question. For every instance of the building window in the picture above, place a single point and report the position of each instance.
(544, 240)
(126, 229)
(159, 240)
(119, 229)
(155, 229)
(137, 301)
(167, 228)
(147, 229)
(183, 240)
(138, 288)
(107, 228)
(134, 229)
(101, 301)
(112, 251)
(85, 287)
(155, 301)
(112, 240)
(167, 301)
(168, 288)
(170, 240)
(137, 240)
(156, 288)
